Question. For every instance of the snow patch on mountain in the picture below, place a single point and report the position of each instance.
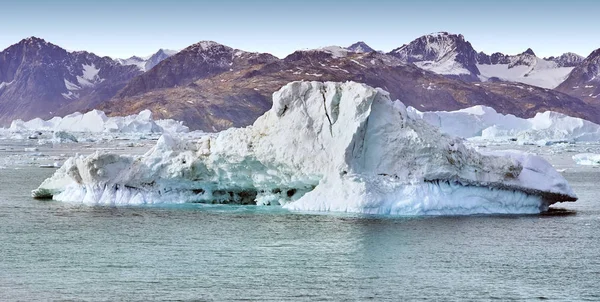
(6, 84)
(448, 66)
(90, 76)
(321, 147)
(71, 86)
(537, 72)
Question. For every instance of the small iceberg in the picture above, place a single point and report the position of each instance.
(587, 159)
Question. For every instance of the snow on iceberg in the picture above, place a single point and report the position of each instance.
(485, 123)
(587, 159)
(96, 121)
(322, 147)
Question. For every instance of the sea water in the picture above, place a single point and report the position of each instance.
(56, 251)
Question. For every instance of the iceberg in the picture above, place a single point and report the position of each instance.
(96, 121)
(587, 159)
(485, 123)
(321, 147)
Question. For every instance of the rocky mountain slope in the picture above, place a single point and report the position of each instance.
(40, 79)
(236, 97)
(201, 60)
(584, 80)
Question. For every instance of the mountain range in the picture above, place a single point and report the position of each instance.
(212, 87)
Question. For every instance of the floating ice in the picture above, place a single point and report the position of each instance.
(96, 121)
(321, 147)
(485, 123)
(587, 159)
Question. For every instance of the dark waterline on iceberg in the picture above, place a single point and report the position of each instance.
(58, 251)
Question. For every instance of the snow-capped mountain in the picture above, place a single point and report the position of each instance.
(568, 59)
(145, 64)
(40, 79)
(526, 68)
(360, 47)
(453, 56)
(442, 53)
(584, 80)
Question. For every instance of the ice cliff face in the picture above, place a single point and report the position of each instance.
(322, 147)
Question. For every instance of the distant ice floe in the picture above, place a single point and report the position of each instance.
(587, 159)
(484, 123)
(97, 121)
(322, 147)
(93, 123)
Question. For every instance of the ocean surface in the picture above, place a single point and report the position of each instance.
(55, 251)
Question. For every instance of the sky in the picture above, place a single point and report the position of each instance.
(121, 29)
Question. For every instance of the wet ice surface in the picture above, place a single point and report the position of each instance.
(58, 251)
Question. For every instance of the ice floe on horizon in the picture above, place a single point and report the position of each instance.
(484, 123)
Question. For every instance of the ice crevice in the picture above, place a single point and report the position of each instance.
(374, 159)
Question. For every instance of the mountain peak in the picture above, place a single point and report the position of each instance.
(567, 59)
(360, 47)
(204, 45)
(529, 51)
(443, 53)
(33, 39)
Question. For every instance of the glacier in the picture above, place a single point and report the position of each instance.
(484, 123)
(343, 147)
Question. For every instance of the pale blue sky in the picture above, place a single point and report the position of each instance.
(125, 28)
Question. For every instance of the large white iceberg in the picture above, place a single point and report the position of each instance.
(322, 147)
(96, 121)
(485, 123)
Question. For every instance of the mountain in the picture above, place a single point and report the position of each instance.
(451, 55)
(360, 47)
(219, 98)
(212, 87)
(442, 53)
(526, 68)
(145, 64)
(584, 80)
(40, 79)
(568, 59)
(201, 60)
